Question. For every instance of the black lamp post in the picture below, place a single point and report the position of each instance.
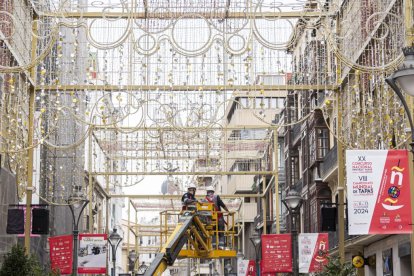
(293, 201)
(403, 80)
(76, 201)
(257, 243)
(132, 256)
(114, 240)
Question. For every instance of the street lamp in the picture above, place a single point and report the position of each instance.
(257, 242)
(76, 201)
(403, 80)
(228, 268)
(114, 240)
(132, 256)
(293, 201)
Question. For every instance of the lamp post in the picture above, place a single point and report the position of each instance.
(132, 256)
(403, 80)
(293, 201)
(257, 242)
(114, 240)
(75, 202)
(228, 268)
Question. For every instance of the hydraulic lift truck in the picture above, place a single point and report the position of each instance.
(197, 229)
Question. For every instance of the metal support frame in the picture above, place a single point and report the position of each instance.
(183, 88)
(176, 15)
(30, 140)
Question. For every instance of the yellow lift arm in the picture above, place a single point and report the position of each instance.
(196, 229)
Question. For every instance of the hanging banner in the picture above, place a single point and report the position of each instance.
(276, 253)
(378, 188)
(246, 268)
(92, 253)
(313, 249)
(61, 253)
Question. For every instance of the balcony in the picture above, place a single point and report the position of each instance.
(334, 236)
(205, 165)
(282, 175)
(258, 219)
(240, 184)
(250, 212)
(330, 161)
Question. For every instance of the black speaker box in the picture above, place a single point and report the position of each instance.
(328, 215)
(15, 221)
(40, 221)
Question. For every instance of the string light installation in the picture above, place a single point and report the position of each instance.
(124, 90)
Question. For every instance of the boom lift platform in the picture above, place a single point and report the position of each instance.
(197, 228)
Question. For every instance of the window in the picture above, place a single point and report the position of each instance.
(294, 169)
(314, 226)
(312, 147)
(323, 142)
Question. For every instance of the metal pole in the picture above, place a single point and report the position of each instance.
(75, 250)
(276, 179)
(113, 259)
(341, 185)
(264, 199)
(257, 249)
(294, 232)
(90, 179)
(30, 137)
(244, 228)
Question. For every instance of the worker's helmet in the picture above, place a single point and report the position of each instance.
(191, 186)
(210, 188)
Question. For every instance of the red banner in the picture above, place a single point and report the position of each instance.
(61, 253)
(251, 268)
(276, 253)
(392, 213)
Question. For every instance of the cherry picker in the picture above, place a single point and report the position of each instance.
(197, 228)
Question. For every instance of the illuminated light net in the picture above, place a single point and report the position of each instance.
(142, 89)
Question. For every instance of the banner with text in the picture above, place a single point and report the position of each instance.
(378, 188)
(61, 253)
(313, 249)
(92, 253)
(246, 268)
(276, 253)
